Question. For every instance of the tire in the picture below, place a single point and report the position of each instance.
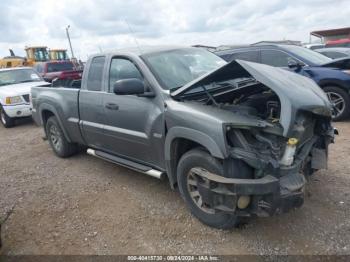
(57, 139)
(200, 158)
(6, 121)
(341, 100)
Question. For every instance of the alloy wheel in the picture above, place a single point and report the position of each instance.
(194, 183)
(338, 103)
(55, 137)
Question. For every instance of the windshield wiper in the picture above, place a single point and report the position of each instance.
(209, 95)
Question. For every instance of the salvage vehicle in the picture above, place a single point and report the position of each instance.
(333, 76)
(15, 85)
(238, 139)
(57, 70)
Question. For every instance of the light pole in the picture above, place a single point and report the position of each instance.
(70, 44)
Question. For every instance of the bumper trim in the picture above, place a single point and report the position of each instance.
(262, 186)
(269, 195)
(11, 110)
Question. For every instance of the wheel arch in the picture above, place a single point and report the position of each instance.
(46, 111)
(180, 140)
(344, 93)
(333, 82)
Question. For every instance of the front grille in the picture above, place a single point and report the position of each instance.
(26, 98)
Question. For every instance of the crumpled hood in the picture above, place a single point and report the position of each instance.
(19, 89)
(295, 92)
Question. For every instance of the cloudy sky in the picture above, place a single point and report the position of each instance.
(106, 24)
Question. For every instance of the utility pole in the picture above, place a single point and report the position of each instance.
(70, 44)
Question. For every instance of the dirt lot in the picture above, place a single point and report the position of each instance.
(83, 205)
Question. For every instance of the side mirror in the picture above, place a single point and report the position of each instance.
(130, 86)
(292, 64)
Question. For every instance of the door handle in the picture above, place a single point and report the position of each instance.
(112, 106)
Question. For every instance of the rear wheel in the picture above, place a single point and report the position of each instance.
(193, 188)
(340, 100)
(57, 140)
(5, 119)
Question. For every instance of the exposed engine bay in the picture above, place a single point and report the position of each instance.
(270, 149)
(242, 95)
(288, 143)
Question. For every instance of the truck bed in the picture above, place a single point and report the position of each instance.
(64, 102)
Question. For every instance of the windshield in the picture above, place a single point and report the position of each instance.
(10, 77)
(40, 54)
(59, 55)
(175, 68)
(309, 55)
(58, 67)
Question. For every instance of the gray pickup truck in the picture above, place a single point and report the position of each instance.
(238, 139)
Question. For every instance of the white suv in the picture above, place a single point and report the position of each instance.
(15, 86)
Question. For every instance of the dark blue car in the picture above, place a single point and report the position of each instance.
(333, 76)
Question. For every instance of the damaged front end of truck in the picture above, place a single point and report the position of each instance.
(278, 137)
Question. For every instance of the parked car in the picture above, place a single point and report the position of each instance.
(15, 85)
(335, 52)
(57, 70)
(333, 76)
(238, 138)
(345, 42)
(314, 46)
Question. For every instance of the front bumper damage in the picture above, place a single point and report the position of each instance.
(267, 195)
(280, 189)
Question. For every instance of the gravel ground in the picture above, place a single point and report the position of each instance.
(83, 205)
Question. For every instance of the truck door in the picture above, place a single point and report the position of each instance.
(90, 103)
(132, 123)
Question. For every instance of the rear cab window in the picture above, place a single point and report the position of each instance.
(58, 67)
(94, 78)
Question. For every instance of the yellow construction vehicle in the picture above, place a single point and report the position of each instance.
(58, 54)
(12, 61)
(36, 54)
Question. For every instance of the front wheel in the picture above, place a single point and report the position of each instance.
(193, 188)
(340, 100)
(57, 140)
(5, 119)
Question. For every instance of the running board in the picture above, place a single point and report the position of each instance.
(126, 163)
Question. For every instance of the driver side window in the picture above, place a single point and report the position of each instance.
(122, 69)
